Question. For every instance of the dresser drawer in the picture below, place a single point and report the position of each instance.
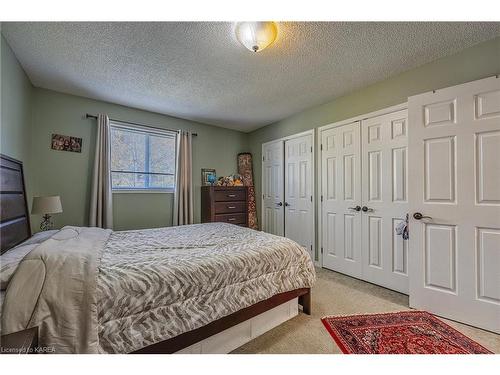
(230, 207)
(232, 218)
(230, 195)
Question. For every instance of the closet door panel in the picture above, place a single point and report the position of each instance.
(272, 188)
(454, 192)
(384, 180)
(299, 219)
(341, 193)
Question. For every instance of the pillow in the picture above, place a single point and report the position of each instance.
(10, 261)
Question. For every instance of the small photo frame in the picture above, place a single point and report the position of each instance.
(206, 176)
(66, 143)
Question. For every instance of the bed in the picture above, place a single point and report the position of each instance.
(192, 289)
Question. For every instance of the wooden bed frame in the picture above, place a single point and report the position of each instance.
(189, 338)
(15, 228)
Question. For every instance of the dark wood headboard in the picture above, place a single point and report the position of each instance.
(14, 215)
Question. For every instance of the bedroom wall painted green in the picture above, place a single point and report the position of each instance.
(16, 95)
(68, 174)
(476, 62)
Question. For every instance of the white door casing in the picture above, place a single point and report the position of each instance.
(272, 188)
(341, 193)
(454, 179)
(385, 199)
(299, 175)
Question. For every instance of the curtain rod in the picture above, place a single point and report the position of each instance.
(87, 115)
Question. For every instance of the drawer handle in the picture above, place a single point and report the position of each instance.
(231, 195)
(231, 219)
(231, 207)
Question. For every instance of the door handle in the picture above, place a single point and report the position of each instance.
(231, 207)
(231, 195)
(287, 204)
(419, 216)
(231, 219)
(357, 208)
(279, 204)
(367, 209)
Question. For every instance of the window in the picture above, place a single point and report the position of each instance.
(142, 159)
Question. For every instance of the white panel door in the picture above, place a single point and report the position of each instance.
(385, 199)
(341, 195)
(299, 219)
(272, 188)
(454, 191)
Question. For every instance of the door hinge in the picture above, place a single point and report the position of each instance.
(321, 198)
(311, 198)
(263, 196)
(311, 248)
(263, 158)
(311, 148)
(322, 250)
(321, 147)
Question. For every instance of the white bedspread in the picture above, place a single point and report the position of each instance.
(54, 288)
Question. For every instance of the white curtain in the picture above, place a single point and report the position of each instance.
(101, 204)
(183, 199)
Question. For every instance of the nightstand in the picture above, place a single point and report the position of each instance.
(21, 342)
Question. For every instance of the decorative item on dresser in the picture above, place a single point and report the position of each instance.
(208, 176)
(226, 204)
(245, 169)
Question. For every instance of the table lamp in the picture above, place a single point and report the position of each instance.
(45, 206)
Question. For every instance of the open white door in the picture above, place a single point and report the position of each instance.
(299, 218)
(341, 199)
(272, 188)
(385, 199)
(454, 191)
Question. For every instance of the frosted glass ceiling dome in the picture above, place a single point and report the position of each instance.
(256, 36)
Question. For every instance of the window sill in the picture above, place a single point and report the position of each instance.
(142, 191)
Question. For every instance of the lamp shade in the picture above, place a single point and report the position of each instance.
(46, 205)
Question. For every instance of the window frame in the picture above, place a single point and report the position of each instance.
(147, 131)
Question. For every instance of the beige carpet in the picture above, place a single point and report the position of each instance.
(337, 294)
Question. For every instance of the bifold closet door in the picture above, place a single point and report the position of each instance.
(385, 199)
(272, 188)
(454, 194)
(341, 199)
(299, 219)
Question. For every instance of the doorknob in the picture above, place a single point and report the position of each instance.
(287, 204)
(357, 208)
(279, 204)
(419, 216)
(367, 209)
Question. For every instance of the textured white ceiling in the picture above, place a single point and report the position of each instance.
(198, 71)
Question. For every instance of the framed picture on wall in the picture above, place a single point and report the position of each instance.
(66, 143)
(208, 176)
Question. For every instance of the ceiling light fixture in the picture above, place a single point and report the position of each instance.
(256, 36)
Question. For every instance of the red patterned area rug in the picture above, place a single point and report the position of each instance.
(406, 332)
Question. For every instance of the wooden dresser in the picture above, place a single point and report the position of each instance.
(226, 204)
